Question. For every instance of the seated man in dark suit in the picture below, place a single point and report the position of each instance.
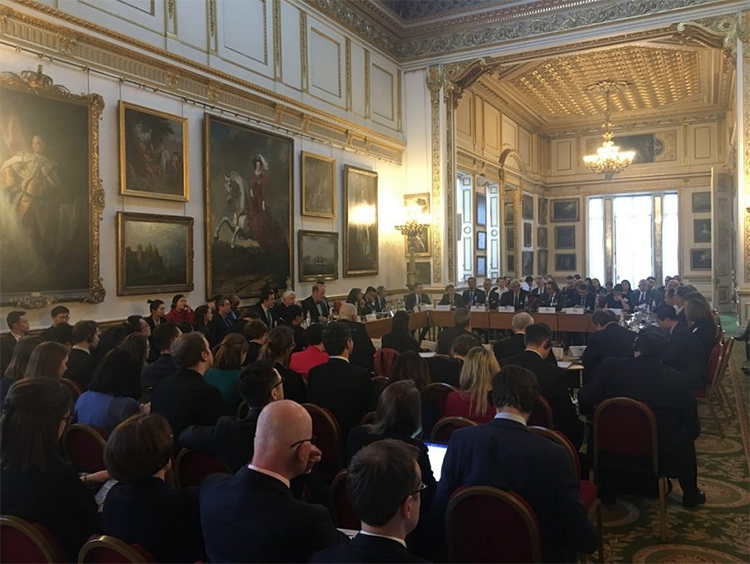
(645, 378)
(184, 399)
(344, 389)
(364, 351)
(222, 321)
(81, 361)
(256, 333)
(553, 297)
(231, 439)
(384, 484)
(288, 299)
(516, 344)
(496, 294)
(516, 297)
(293, 319)
(451, 298)
(447, 369)
(461, 326)
(684, 352)
(19, 326)
(583, 298)
(643, 295)
(416, 297)
(552, 381)
(505, 455)
(381, 299)
(608, 340)
(252, 516)
(60, 316)
(316, 305)
(164, 335)
(473, 296)
(265, 308)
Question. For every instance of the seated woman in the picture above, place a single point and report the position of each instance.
(113, 394)
(180, 312)
(618, 299)
(701, 323)
(278, 349)
(18, 362)
(141, 508)
(47, 360)
(228, 358)
(473, 400)
(411, 366)
(36, 483)
(357, 298)
(400, 338)
(203, 316)
(137, 345)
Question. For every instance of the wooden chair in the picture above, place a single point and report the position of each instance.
(439, 392)
(383, 361)
(84, 447)
(104, 549)
(192, 466)
(24, 542)
(587, 488)
(381, 382)
(485, 524)
(341, 510)
(329, 439)
(444, 428)
(542, 415)
(627, 428)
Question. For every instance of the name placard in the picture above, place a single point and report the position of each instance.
(442, 308)
(575, 310)
(426, 307)
(477, 308)
(371, 317)
(506, 309)
(547, 310)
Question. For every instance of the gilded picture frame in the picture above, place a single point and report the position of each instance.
(565, 210)
(318, 255)
(154, 254)
(153, 154)
(318, 185)
(361, 253)
(423, 242)
(61, 129)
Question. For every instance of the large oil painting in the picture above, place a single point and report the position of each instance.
(360, 221)
(318, 185)
(318, 256)
(154, 254)
(153, 154)
(50, 196)
(248, 208)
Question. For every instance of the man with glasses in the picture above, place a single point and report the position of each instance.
(231, 439)
(384, 484)
(252, 516)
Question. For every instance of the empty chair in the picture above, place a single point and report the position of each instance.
(192, 466)
(328, 438)
(444, 428)
(109, 550)
(24, 542)
(542, 415)
(84, 447)
(383, 361)
(341, 510)
(439, 391)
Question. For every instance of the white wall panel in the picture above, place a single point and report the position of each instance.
(326, 64)
(383, 105)
(141, 19)
(510, 133)
(190, 16)
(291, 62)
(245, 34)
(358, 80)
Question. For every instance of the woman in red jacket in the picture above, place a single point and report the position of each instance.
(180, 311)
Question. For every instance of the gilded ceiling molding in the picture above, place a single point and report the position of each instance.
(435, 84)
(715, 32)
(745, 36)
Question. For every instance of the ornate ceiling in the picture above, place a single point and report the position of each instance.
(417, 9)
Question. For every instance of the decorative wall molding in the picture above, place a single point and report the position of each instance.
(435, 84)
(190, 80)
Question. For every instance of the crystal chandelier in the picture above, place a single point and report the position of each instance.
(608, 159)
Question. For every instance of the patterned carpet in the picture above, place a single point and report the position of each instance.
(718, 531)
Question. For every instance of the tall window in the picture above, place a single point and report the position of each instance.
(670, 240)
(596, 267)
(633, 238)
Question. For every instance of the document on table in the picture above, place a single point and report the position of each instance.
(564, 364)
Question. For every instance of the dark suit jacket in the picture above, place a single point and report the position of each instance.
(230, 440)
(685, 354)
(252, 517)
(274, 316)
(445, 369)
(635, 298)
(507, 348)
(218, 328)
(479, 297)
(344, 389)
(295, 388)
(163, 521)
(553, 386)
(509, 299)
(57, 499)
(81, 368)
(366, 548)
(253, 350)
(706, 334)
(448, 335)
(412, 300)
(612, 303)
(155, 372)
(664, 390)
(505, 455)
(309, 306)
(380, 304)
(400, 343)
(7, 344)
(613, 340)
(363, 353)
(185, 399)
(458, 300)
(587, 302)
(556, 300)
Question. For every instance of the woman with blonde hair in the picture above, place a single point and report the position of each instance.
(229, 355)
(473, 401)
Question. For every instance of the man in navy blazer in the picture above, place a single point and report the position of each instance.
(473, 296)
(252, 516)
(505, 455)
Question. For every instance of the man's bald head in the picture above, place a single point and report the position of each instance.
(348, 311)
(521, 321)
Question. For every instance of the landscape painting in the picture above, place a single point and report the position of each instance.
(318, 185)
(153, 154)
(564, 210)
(154, 254)
(361, 221)
(248, 208)
(565, 237)
(318, 256)
(528, 206)
(565, 262)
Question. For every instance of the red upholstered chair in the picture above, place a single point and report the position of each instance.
(110, 550)
(627, 428)
(329, 440)
(443, 429)
(588, 488)
(84, 447)
(192, 466)
(341, 510)
(24, 542)
(384, 359)
(542, 415)
(439, 391)
(381, 382)
(485, 524)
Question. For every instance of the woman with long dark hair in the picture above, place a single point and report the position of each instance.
(47, 360)
(228, 358)
(400, 337)
(202, 317)
(278, 349)
(156, 313)
(357, 298)
(18, 362)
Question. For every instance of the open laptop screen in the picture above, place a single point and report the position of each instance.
(436, 454)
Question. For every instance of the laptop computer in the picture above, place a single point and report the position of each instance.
(436, 454)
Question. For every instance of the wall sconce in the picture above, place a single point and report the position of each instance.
(412, 228)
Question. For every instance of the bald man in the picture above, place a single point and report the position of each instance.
(364, 351)
(513, 345)
(252, 516)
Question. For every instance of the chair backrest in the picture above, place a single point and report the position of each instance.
(22, 542)
(439, 392)
(625, 427)
(84, 447)
(110, 550)
(443, 429)
(383, 362)
(714, 363)
(542, 415)
(368, 418)
(191, 466)
(474, 518)
(341, 510)
(328, 434)
(563, 441)
(724, 364)
(381, 382)
(242, 410)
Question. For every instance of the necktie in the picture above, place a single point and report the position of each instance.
(471, 297)
(320, 308)
(515, 300)
(643, 297)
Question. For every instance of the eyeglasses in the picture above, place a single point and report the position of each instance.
(311, 439)
(276, 385)
(422, 488)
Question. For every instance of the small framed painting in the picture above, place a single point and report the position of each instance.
(701, 230)
(527, 260)
(564, 210)
(565, 237)
(481, 266)
(541, 237)
(510, 239)
(542, 258)
(481, 210)
(543, 204)
(701, 202)
(318, 255)
(527, 234)
(511, 263)
(510, 216)
(318, 185)
(481, 240)
(528, 206)
(424, 272)
(565, 262)
(700, 259)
